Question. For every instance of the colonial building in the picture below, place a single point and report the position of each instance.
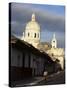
(56, 53)
(30, 57)
(32, 36)
(28, 61)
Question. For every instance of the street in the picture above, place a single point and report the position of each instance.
(53, 79)
(58, 78)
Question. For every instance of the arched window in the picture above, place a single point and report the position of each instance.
(28, 34)
(35, 35)
(54, 41)
(38, 35)
(53, 46)
(52, 54)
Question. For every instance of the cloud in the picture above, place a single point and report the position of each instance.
(21, 13)
(49, 22)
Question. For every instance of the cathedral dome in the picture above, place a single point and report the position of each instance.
(32, 32)
(33, 25)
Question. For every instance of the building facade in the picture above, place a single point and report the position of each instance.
(27, 61)
(56, 53)
(32, 36)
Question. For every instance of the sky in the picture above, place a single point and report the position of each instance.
(51, 19)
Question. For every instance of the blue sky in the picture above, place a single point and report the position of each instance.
(51, 19)
(51, 8)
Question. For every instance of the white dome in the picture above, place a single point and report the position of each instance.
(33, 25)
(32, 32)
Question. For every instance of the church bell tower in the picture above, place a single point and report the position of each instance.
(54, 41)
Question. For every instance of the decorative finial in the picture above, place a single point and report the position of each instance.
(54, 35)
(33, 17)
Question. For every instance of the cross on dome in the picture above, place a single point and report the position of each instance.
(33, 17)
